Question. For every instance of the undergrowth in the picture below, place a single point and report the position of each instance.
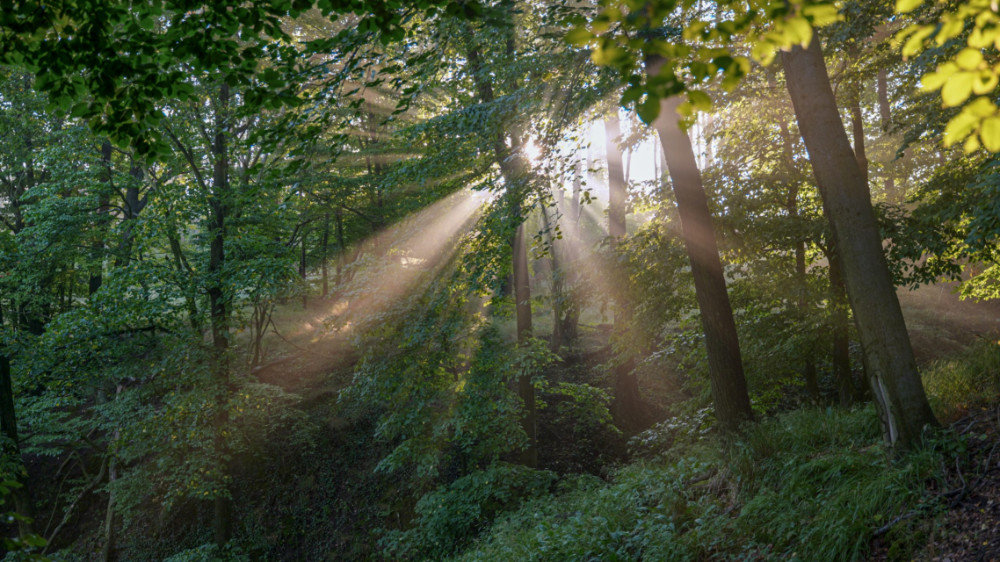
(811, 484)
(957, 385)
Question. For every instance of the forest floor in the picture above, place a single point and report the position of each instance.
(941, 326)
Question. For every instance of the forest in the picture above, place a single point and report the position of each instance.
(587, 280)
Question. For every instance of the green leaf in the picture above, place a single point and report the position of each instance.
(649, 109)
(969, 59)
(957, 89)
(905, 6)
(821, 14)
(959, 127)
(579, 36)
(990, 134)
(799, 32)
(700, 100)
(915, 43)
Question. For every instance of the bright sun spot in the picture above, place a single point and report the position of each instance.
(532, 151)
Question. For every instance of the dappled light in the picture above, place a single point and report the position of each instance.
(499, 281)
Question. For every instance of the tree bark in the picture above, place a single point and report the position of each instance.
(97, 275)
(627, 404)
(302, 271)
(858, 131)
(557, 286)
(848, 207)
(885, 116)
(840, 326)
(792, 207)
(326, 254)
(725, 364)
(12, 449)
(223, 523)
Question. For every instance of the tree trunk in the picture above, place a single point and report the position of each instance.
(725, 364)
(526, 390)
(97, 274)
(514, 169)
(627, 404)
(326, 254)
(341, 248)
(557, 291)
(223, 524)
(858, 130)
(792, 207)
(885, 116)
(848, 207)
(840, 326)
(8, 424)
(302, 271)
(571, 315)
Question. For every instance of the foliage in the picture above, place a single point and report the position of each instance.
(968, 72)
(804, 485)
(451, 516)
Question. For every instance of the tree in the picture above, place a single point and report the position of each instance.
(847, 205)
(729, 389)
(627, 406)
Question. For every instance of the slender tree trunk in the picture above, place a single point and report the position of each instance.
(840, 326)
(302, 271)
(341, 248)
(12, 449)
(223, 522)
(792, 207)
(725, 364)
(571, 315)
(557, 292)
(133, 206)
(526, 390)
(326, 254)
(627, 405)
(885, 116)
(869, 285)
(616, 178)
(858, 131)
(96, 274)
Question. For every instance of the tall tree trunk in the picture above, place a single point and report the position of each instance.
(725, 364)
(96, 274)
(223, 521)
(792, 207)
(8, 424)
(326, 254)
(526, 390)
(341, 248)
(840, 326)
(557, 291)
(302, 271)
(885, 116)
(627, 405)
(133, 206)
(858, 131)
(848, 207)
(571, 315)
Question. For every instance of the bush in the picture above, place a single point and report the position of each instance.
(451, 516)
(808, 485)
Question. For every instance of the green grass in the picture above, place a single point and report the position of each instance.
(972, 379)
